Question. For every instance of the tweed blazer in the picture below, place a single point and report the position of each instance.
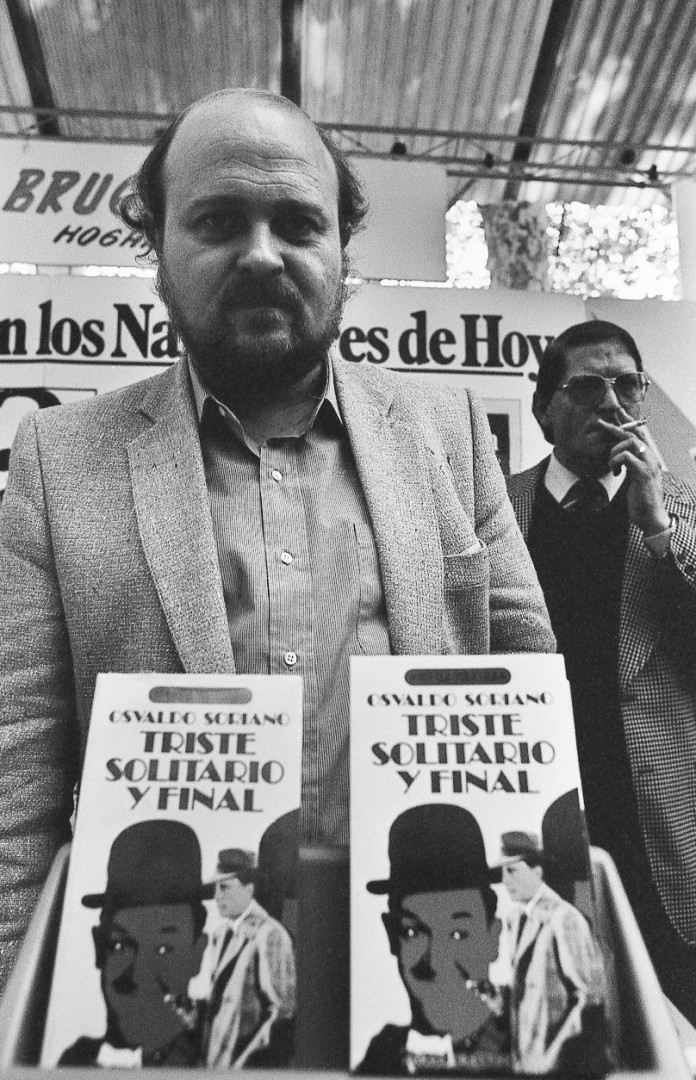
(557, 977)
(657, 686)
(257, 969)
(108, 563)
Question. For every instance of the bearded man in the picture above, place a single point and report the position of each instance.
(260, 507)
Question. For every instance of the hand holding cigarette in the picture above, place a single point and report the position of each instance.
(636, 451)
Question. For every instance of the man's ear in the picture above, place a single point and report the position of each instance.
(99, 938)
(540, 413)
(494, 938)
(153, 235)
(391, 925)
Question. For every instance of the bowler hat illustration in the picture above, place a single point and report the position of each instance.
(150, 863)
(434, 847)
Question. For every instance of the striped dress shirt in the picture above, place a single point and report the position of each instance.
(301, 579)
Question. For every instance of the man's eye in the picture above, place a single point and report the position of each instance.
(217, 222)
(296, 226)
(163, 950)
(410, 932)
(117, 946)
(459, 935)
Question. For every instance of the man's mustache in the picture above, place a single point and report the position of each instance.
(424, 970)
(269, 294)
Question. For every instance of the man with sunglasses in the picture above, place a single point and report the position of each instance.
(613, 540)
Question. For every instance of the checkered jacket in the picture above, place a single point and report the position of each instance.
(657, 684)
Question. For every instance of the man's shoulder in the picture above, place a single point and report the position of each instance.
(102, 411)
(385, 1051)
(260, 923)
(554, 908)
(679, 491)
(402, 386)
(526, 482)
(549, 903)
(84, 1051)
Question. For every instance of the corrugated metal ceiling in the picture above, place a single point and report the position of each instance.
(455, 74)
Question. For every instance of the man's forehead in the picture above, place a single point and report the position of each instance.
(253, 129)
(151, 916)
(227, 879)
(597, 355)
(460, 902)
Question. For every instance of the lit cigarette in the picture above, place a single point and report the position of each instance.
(631, 425)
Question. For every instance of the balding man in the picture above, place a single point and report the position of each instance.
(258, 507)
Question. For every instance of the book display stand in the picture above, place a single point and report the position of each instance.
(647, 1041)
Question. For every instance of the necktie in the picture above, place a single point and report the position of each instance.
(223, 949)
(587, 497)
(520, 929)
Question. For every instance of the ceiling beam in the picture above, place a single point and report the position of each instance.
(291, 21)
(33, 61)
(544, 72)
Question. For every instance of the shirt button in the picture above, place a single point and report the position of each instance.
(290, 658)
(286, 557)
(276, 475)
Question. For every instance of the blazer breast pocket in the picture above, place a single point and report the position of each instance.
(466, 622)
(467, 568)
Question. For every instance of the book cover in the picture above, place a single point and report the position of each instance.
(176, 944)
(472, 942)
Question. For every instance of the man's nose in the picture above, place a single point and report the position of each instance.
(141, 970)
(439, 952)
(259, 252)
(609, 401)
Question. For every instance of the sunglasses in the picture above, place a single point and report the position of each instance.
(588, 390)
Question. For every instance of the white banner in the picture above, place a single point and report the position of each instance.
(71, 336)
(59, 205)
(405, 233)
(59, 202)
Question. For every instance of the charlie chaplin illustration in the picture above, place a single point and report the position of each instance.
(149, 944)
(442, 928)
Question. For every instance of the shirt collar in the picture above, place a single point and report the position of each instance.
(439, 1046)
(201, 395)
(558, 480)
(236, 923)
(527, 908)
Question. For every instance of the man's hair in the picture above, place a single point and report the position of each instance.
(143, 208)
(245, 875)
(554, 360)
(533, 860)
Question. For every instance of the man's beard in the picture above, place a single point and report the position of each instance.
(260, 364)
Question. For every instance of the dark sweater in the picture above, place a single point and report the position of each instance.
(579, 559)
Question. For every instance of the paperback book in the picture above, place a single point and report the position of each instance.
(474, 947)
(177, 939)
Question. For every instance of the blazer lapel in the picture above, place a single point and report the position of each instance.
(231, 951)
(522, 490)
(171, 504)
(394, 476)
